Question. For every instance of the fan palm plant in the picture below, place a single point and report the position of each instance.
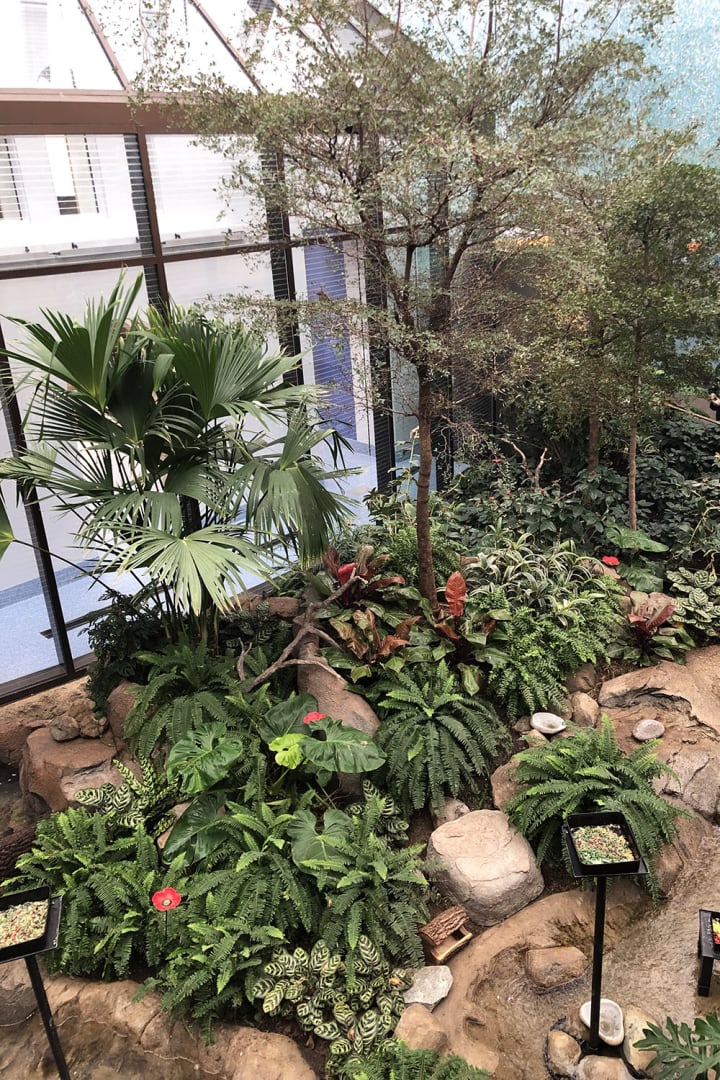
(179, 445)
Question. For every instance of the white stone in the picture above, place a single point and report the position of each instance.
(648, 729)
(612, 1030)
(429, 986)
(548, 723)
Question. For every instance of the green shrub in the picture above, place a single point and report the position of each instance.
(134, 803)
(698, 604)
(584, 772)
(397, 1061)
(117, 635)
(107, 879)
(436, 738)
(354, 1002)
(368, 882)
(187, 686)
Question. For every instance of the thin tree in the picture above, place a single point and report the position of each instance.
(422, 135)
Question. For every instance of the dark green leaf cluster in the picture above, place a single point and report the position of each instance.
(683, 1053)
(587, 771)
(542, 648)
(107, 878)
(397, 1061)
(353, 1001)
(436, 738)
(369, 883)
(187, 686)
(116, 636)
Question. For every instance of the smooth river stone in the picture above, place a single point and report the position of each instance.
(645, 730)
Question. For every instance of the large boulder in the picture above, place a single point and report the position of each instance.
(120, 702)
(56, 770)
(333, 693)
(64, 707)
(481, 862)
(420, 1030)
(636, 1020)
(555, 965)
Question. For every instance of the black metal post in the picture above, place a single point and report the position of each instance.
(47, 1017)
(598, 941)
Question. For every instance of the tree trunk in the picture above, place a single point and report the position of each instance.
(632, 475)
(426, 569)
(593, 441)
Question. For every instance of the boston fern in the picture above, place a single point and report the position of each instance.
(436, 738)
(187, 686)
(106, 877)
(585, 772)
(395, 1060)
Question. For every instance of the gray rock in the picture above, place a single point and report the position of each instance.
(583, 679)
(503, 783)
(64, 727)
(481, 862)
(429, 986)
(612, 1031)
(453, 809)
(555, 965)
(648, 729)
(585, 709)
(635, 1020)
(420, 1030)
(563, 1053)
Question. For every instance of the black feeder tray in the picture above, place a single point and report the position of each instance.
(604, 818)
(29, 950)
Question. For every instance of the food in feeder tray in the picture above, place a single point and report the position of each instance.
(23, 922)
(597, 844)
(716, 931)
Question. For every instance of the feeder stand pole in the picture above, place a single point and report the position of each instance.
(598, 940)
(47, 1017)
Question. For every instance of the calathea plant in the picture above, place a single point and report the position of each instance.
(354, 1002)
(698, 602)
(144, 801)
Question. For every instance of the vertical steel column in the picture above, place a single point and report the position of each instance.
(36, 524)
(598, 943)
(281, 258)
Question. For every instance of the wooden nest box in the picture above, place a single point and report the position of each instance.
(446, 933)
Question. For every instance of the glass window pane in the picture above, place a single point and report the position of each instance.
(67, 196)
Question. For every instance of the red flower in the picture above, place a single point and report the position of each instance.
(311, 717)
(610, 560)
(166, 899)
(496, 460)
(345, 572)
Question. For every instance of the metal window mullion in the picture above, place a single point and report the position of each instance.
(36, 524)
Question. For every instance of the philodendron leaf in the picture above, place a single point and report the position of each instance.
(199, 831)
(631, 539)
(288, 749)
(286, 717)
(311, 847)
(204, 757)
(344, 749)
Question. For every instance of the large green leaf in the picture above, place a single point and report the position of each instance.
(344, 749)
(204, 757)
(198, 832)
(286, 717)
(309, 847)
(631, 539)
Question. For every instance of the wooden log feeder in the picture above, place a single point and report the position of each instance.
(446, 933)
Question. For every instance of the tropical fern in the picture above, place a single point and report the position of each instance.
(542, 649)
(186, 687)
(107, 880)
(397, 1061)
(588, 771)
(371, 886)
(436, 738)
